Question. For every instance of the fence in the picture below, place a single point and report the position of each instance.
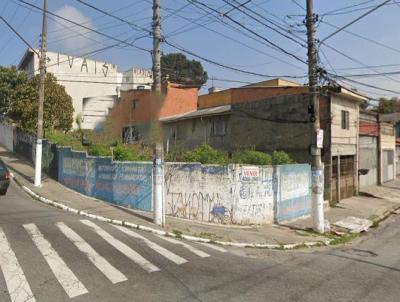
(233, 194)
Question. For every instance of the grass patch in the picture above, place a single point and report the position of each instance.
(336, 240)
(206, 235)
(177, 233)
(375, 221)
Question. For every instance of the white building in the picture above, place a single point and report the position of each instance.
(137, 78)
(93, 85)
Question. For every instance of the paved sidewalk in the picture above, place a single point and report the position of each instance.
(361, 206)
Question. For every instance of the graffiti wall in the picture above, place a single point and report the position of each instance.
(199, 192)
(220, 194)
(294, 192)
(124, 183)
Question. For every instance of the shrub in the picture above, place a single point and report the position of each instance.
(99, 150)
(251, 157)
(70, 139)
(205, 154)
(281, 158)
(131, 153)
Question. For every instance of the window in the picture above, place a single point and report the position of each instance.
(130, 135)
(218, 127)
(135, 104)
(345, 119)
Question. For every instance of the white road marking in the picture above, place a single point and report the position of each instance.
(17, 285)
(114, 275)
(122, 247)
(185, 245)
(71, 284)
(159, 249)
(214, 247)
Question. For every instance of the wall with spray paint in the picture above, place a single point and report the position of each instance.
(236, 194)
(232, 194)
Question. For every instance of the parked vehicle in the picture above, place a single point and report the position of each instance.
(5, 177)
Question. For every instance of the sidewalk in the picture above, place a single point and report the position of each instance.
(269, 235)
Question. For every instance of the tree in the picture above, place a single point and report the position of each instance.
(12, 83)
(180, 70)
(388, 105)
(57, 110)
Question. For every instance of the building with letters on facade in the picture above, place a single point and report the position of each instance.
(94, 86)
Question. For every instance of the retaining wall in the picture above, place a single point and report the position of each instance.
(124, 183)
(233, 194)
(237, 194)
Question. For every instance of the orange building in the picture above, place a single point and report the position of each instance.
(136, 109)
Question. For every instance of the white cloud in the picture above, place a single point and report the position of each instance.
(71, 37)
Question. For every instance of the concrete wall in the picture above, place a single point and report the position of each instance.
(231, 194)
(237, 194)
(194, 132)
(124, 183)
(7, 136)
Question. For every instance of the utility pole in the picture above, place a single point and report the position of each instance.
(42, 67)
(158, 173)
(316, 167)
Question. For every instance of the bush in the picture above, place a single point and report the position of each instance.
(205, 154)
(281, 158)
(251, 157)
(71, 139)
(99, 150)
(131, 153)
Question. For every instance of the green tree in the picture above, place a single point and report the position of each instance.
(12, 84)
(180, 70)
(388, 105)
(58, 109)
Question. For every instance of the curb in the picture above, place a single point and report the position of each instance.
(169, 234)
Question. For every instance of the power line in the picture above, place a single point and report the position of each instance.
(115, 17)
(354, 21)
(236, 41)
(362, 84)
(226, 66)
(274, 45)
(87, 28)
(262, 23)
(19, 36)
(346, 7)
(357, 61)
(363, 37)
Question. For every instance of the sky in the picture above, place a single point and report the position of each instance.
(222, 34)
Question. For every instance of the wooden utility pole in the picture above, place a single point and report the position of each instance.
(158, 174)
(317, 170)
(42, 67)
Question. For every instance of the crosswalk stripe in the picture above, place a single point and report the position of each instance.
(214, 247)
(71, 284)
(122, 247)
(159, 249)
(17, 285)
(114, 275)
(185, 245)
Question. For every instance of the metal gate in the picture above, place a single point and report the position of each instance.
(388, 165)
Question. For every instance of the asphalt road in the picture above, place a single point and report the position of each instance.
(48, 255)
